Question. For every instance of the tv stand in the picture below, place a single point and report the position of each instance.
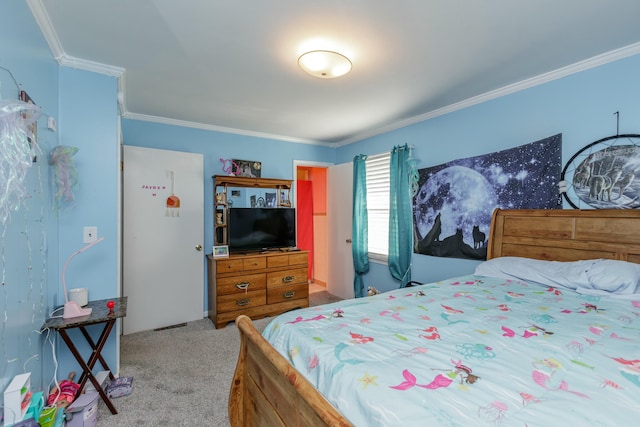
(222, 199)
(257, 285)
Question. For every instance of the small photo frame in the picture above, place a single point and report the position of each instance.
(221, 251)
(249, 168)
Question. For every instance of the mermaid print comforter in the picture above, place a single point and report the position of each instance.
(471, 351)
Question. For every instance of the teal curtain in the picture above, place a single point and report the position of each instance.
(360, 232)
(401, 172)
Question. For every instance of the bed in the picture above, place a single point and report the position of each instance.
(545, 332)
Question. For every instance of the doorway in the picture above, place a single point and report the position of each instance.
(163, 228)
(332, 259)
(311, 204)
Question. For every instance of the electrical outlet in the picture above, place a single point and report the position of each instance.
(90, 234)
(51, 124)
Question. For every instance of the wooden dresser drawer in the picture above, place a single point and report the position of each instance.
(287, 292)
(286, 260)
(229, 266)
(278, 261)
(257, 285)
(298, 258)
(241, 301)
(256, 263)
(238, 284)
(287, 277)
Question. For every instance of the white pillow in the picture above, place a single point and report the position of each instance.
(595, 276)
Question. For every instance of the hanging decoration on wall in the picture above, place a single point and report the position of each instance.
(602, 175)
(247, 168)
(17, 152)
(173, 201)
(228, 166)
(65, 177)
(32, 127)
(455, 200)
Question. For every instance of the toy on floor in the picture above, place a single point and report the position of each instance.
(121, 386)
(372, 291)
(63, 395)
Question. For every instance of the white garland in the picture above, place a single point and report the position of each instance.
(16, 153)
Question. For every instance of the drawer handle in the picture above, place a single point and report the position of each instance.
(243, 302)
(289, 294)
(287, 279)
(242, 286)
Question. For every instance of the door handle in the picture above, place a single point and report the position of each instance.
(198, 248)
(348, 241)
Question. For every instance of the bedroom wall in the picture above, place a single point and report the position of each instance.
(580, 106)
(89, 121)
(29, 241)
(38, 240)
(277, 157)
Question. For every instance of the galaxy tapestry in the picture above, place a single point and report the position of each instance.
(455, 200)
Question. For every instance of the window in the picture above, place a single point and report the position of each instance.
(377, 168)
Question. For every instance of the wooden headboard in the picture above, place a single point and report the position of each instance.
(566, 235)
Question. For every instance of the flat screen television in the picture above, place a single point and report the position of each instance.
(259, 229)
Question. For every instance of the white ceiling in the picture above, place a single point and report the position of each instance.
(231, 65)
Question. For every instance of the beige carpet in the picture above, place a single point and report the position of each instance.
(181, 376)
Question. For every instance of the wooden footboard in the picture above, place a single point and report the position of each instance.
(268, 391)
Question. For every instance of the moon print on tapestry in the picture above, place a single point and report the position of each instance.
(455, 200)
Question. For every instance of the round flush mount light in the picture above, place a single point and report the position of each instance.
(324, 64)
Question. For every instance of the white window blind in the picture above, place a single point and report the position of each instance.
(377, 167)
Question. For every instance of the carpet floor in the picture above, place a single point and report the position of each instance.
(181, 376)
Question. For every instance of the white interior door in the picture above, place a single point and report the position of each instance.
(339, 207)
(163, 233)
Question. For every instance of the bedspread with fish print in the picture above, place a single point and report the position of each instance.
(471, 351)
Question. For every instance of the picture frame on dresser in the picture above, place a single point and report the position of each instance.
(221, 251)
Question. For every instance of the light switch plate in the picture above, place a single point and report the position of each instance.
(90, 234)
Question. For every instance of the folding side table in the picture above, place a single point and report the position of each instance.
(100, 313)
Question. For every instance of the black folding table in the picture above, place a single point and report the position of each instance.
(100, 314)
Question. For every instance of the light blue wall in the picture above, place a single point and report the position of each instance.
(580, 106)
(37, 241)
(29, 243)
(89, 121)
(276, 156)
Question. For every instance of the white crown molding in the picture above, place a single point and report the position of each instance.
(42, 18)
(196, 125)
(50, 35)
(96, 67)
(584, 65)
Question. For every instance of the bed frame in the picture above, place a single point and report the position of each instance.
(268, 391)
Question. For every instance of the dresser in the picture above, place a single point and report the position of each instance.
(257, 285)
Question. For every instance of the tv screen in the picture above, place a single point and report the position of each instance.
(252, 229)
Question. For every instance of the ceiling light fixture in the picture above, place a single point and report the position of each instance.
(324, 64)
